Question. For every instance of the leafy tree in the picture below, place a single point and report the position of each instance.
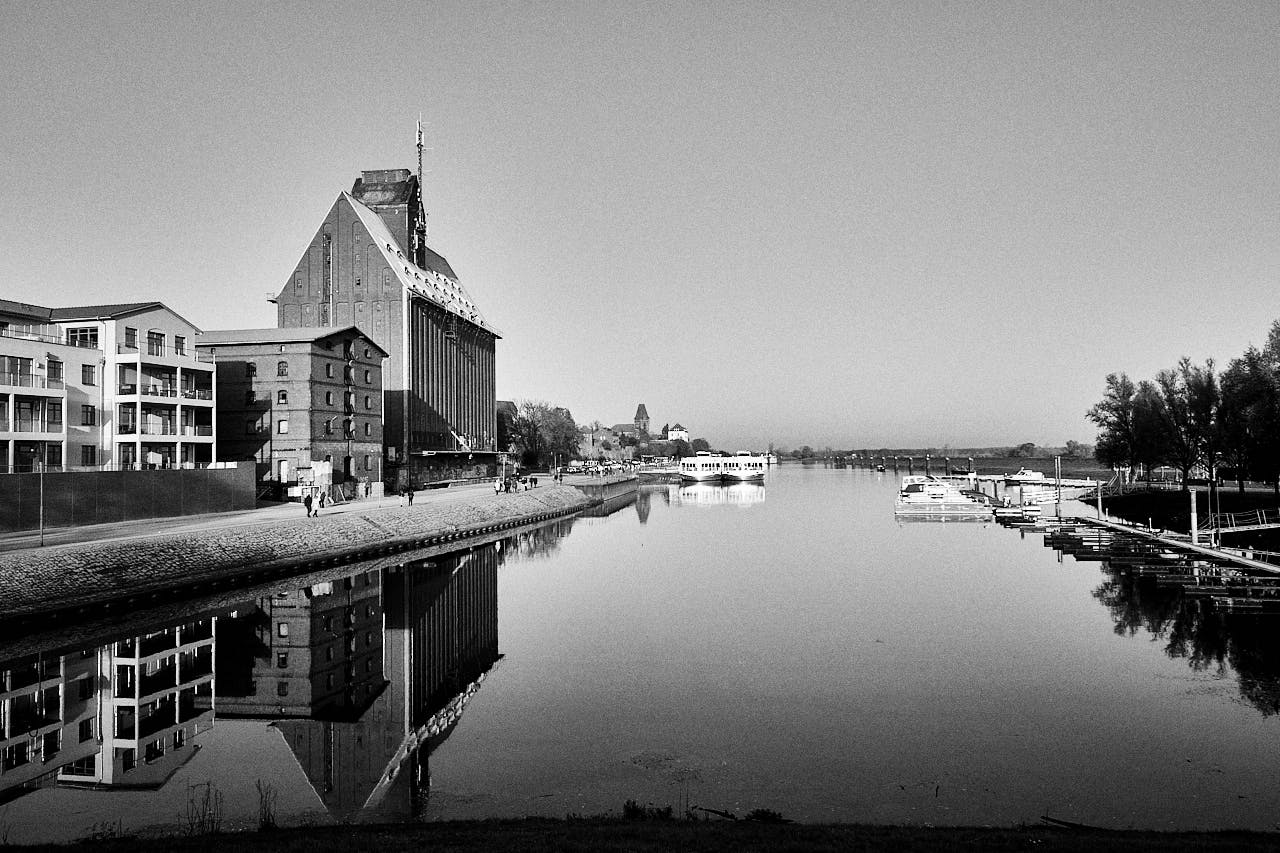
(1190, 394)
(682, 449)
(1150, 427)
(700, 444)
(1114, 417)
(1076, 450)
(542, 431)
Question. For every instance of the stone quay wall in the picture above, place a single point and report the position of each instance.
(87, 577)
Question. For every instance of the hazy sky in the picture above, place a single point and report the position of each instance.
(847, 224)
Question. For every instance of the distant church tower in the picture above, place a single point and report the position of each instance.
(642, 419)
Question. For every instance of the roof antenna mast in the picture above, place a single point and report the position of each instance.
(421, 231)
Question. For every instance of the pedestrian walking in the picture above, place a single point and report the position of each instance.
(306, 502)
(533, 482)
(411, 496)
(324, 496)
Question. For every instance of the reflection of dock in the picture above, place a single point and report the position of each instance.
(1225, 578)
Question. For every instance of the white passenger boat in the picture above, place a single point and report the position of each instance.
(744, 467)
(1025, 475)
(705, 467)
(925, 495)
(701, 468)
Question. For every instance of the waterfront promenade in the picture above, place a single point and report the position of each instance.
(95, 566)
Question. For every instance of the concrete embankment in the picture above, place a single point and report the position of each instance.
(83, 575)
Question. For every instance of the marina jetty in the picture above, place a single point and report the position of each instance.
(82, 577)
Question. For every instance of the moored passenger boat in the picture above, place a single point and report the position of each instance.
(706, 467)
(744, 467)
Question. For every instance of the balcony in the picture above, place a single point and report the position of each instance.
(28, 380)
(157, 643)
(197, 394)
(157, 350)
(159, 429)
(197, 429)
(164, 716)
(126, 429)
(162, 679)
(34, 425)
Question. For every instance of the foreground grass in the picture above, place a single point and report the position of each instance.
(610, 834)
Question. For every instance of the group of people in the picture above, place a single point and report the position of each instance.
(313, 506)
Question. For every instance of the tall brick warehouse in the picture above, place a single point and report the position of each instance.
(369, 266)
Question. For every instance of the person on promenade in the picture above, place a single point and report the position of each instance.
(323, 496)
(306, 502)
(497, 487)
(533, 482)
(411, 496)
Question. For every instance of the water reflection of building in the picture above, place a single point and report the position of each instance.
(313, 652)
(442, 639)
(122, 714)
(712, 494)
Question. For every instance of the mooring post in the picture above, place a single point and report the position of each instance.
(926, 464)
(946, 462)
(1098, 485)
(1195, 524)
(911, 464)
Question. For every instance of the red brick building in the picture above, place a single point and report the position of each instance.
(306, 404)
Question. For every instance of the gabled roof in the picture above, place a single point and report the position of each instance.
(438, 282)
(113, 311)
(227, 337)
(25, 309)
(677, 426)
(622, 428)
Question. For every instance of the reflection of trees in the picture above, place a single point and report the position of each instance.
(1209, 638)
(539, 542)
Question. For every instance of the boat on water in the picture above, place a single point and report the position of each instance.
(744, 467)
(705, 467)
(1024, 475)
(927, 495)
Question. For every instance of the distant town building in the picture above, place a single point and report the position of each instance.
(369, 266)
(305, 403)
(677, 433)
(642, 419)
(98, 386)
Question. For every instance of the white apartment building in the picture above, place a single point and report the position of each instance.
(103, 386)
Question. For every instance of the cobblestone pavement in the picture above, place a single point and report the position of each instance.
(139, 560)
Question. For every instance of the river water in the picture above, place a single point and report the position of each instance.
(787, 647)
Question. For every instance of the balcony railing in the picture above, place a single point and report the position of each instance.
(196, 429)
(32, 425)
(165, 351)
(158, 643)
(197, 394)
(159, 429)
(48, 336)
(28, 380)
(161, 679)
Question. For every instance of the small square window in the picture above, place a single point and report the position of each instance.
(282, 397)
(282, 660)
(282, 629)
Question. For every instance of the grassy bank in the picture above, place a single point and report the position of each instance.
(615, 834)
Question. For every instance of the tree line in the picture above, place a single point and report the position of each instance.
(1193, 416)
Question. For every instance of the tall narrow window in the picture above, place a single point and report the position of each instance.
(89, 374)
(282, 368)
(250, 368)
(130, 337)
(282, 397)
(155, 343)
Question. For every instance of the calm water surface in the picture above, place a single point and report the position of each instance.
(788, 647)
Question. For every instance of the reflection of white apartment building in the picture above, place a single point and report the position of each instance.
(123, 714)
(130, 389)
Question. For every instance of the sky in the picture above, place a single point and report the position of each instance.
(838, 224)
